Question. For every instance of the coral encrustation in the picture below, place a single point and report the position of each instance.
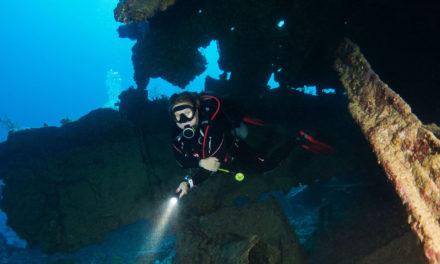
(406, 149)
(139, 10)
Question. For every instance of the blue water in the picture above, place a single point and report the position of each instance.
(55, 57)
(63, 59)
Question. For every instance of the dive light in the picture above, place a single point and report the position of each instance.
(175, 198)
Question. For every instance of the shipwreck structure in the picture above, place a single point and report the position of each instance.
(67, 187)
(408, 151)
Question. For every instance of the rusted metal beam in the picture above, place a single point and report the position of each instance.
(408, 151)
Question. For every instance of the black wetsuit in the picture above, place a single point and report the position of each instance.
(219, 141)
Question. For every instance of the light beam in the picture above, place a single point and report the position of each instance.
(157, 233)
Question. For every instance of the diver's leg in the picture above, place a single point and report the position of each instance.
(279, 155)
(200, 175)
(250, 161)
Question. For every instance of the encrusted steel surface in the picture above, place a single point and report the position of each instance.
(405, 148)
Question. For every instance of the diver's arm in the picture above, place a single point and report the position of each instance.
(192, 181)
(184, 160)
(216, 149)
(182, 189)
(217, 145)
(198, 177)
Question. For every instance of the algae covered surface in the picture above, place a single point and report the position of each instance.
(408, 152)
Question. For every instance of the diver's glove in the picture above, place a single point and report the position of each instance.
(185, 186)
(211, 164)
(183, 189)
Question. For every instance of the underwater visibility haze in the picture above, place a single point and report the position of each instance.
(56, 56)
(342, 95)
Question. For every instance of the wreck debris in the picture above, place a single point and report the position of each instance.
(67, 187)
(408, 152)
(239, 235)
(129, 11)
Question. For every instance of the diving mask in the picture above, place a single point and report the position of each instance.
(183, 113)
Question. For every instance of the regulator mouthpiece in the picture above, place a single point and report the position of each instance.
(189, 132)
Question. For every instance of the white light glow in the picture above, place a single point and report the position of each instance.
(157, 234)
(173, 201)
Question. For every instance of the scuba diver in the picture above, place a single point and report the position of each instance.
(210, 136)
